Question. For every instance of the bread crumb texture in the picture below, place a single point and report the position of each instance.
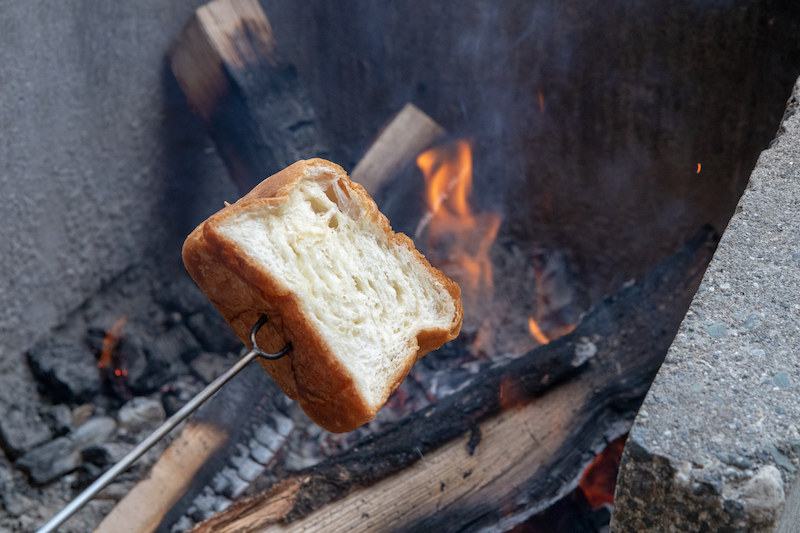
(367, 297)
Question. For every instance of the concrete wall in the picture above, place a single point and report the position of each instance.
(95, 155)
(716, 445)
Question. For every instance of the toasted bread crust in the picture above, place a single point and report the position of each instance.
(242, 291)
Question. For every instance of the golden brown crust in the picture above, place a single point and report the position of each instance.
(242, 291)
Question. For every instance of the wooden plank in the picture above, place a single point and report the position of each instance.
(144, 507)
(256, 109)
(521, 460)
(200, 451)
(406, 136)
(513, 444)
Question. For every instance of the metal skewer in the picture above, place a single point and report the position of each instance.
(100, 483)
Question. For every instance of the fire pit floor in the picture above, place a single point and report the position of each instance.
(716, 445)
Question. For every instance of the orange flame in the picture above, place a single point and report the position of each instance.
(536, 332)
(699, 166)
(110, 343)
(554, 328)
(600, 478)
(458, 240)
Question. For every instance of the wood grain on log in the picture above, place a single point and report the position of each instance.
(256, 109)
(145, 506)
(510, 443)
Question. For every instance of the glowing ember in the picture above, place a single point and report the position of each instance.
(698, 168)
(536, 332)
(510, 395)
(110, 343)
(458, 240)
(600, 478)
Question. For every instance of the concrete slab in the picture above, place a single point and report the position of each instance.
(716, 445)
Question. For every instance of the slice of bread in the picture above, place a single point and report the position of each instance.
(309, 248)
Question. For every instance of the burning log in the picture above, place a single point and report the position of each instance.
(256, 109)
(506, 446)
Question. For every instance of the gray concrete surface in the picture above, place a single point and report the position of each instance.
(716, 445)
(98, 169)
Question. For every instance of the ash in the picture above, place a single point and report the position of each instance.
(173, 343)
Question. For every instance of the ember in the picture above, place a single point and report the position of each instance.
(536, 332)
(600, 477)
(112, 367)
(110, 343)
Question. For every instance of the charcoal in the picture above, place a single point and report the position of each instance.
(58, 418)
(94, 339)
(213, 333)
(184, 523)
(267, 436)
(95, 431)
(132, 358)
(21, 429)
(17, 504)
(64, 454)
(86, 474)
(247, 468)
(283, 425)
(140, 413)
(236, 485)
(178, 394)
(175, 344)
(51, 460)
(447, 356)
(172, 401)
(66, 373)
(97, 456)
(182, 296)
(207, 366)
(167, 355)
(260, 453)
(81, 414)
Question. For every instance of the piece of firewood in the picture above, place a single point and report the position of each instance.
(196, 455)
(406, 136)
(509, 444)
(256, 109)
(144, 507)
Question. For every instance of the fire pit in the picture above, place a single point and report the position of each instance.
(545, 163)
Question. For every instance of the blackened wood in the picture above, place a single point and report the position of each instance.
(256, 109)
(627, 337)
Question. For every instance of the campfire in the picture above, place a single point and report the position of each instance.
(457, 241)
(549, 167)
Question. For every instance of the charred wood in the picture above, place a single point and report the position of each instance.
(256, 109)
(571, 396)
